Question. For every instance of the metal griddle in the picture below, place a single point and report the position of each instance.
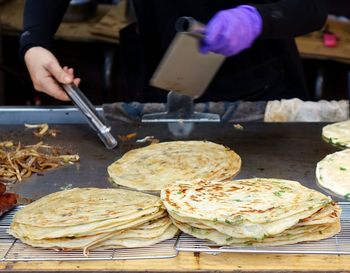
(288, 151)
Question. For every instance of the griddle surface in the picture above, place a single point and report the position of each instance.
(287, 151)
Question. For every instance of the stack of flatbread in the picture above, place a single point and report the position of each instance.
(155, 166)
(337, 134)
(333, 172)
(251, 212)
(90, 218)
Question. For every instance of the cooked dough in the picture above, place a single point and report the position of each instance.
(333, 173)
(155, 166)
(251, 211)
(88, 218)
(338, 134)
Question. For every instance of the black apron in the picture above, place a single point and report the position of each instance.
(271, 69)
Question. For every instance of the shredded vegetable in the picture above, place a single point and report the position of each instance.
(42, 130)
(18, 162)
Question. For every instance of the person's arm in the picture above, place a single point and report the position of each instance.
(234, 30)
(291, 18)
(40, 22)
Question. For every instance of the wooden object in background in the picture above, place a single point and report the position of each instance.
(11, 13)
(311, 45)
(112, 22)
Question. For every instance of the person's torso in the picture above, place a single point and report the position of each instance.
(261, 72)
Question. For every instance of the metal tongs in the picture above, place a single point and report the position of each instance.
(89, 111)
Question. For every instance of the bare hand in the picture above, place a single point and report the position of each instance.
(46, 72)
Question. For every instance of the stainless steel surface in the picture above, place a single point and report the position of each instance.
(180, 115)
(339, 244)
(12, 249)
(96, 122)
(59, 115)
(288, 151)
(184, 68)
(180, 110)
(280, 150)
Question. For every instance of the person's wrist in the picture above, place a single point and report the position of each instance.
(30, 51)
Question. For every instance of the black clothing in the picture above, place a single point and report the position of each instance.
(340, 8)
(271, 69)
(40, 22)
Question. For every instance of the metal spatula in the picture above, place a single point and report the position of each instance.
(183, 68)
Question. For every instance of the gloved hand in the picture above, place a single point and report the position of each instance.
(46, 72)
(231, 31)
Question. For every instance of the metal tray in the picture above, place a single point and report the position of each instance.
(12, 249)
(339, 244)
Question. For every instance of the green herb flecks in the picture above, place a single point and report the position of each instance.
(279, 193)
(239, 220)
(343, 169)
(325, 202)
(285, 188)
(228, 222)
(193, 229)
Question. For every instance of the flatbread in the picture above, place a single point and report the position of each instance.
(338, 134)
(87, 205)
(131, 242)
(333, 173)
(82, 229)
(251, 208)
(155, 166)
(147, 234)
(290, 236)
(323, 224)
(90, 217)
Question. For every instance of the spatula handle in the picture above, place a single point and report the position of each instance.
(190, 25)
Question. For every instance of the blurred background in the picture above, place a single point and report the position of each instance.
(91, 33)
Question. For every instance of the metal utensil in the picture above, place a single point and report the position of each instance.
(89, 110)
(184, 68)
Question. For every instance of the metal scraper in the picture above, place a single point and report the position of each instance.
(183, 68)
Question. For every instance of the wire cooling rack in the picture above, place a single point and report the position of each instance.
(12, 249)
(339, 244)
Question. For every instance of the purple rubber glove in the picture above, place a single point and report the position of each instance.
(231, 31)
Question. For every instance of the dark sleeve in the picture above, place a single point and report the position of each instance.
(291, 18)
(41, 20)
